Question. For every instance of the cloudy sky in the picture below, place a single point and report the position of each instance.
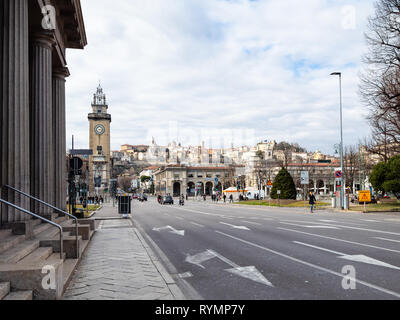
(221, 71)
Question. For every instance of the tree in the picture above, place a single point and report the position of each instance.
(385, 177)
(380, 82)
(351, 164)
(144, 179)
(284, 182)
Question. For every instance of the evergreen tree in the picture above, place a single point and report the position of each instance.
(284, 182)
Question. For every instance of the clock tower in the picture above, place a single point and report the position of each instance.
(99, 142)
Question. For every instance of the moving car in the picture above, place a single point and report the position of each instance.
(142, 198)
(167, 200)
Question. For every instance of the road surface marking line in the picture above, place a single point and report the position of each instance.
(341, 240)
(226, 260)
(340, 275)
(361, 229)
(255, 223)
(250, 272)
(235, 227)
(398, 241)
(319, 248)
(327, 223)
(179, 218)
(352, 257)
(197, 224)
(185, 275)
(315, 227)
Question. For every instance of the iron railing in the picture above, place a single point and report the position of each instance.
(42, 219)
(54, 208)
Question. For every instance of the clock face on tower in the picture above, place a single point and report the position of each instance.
(99, 129)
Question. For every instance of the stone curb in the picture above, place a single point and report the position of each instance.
(171, 284)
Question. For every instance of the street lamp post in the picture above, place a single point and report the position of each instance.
(341, 139)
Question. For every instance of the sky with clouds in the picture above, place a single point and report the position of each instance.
(221, 71)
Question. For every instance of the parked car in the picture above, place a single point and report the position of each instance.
(142, 198)
(167, 200)
(135, 197)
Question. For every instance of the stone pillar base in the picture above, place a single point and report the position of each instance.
(22, 228)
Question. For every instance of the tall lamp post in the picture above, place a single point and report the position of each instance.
(341, 139)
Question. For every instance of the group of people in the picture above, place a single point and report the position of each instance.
(92, 200)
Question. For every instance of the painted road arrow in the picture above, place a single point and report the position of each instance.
(250, 273)
(357, 258)
(235, 227)
(172, 230)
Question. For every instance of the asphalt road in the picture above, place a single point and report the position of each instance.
(228, 252)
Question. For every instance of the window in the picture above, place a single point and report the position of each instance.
(99, 111)
(191, 175)
(199, 175)
(209, 175)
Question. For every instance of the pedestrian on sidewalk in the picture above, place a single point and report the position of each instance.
(312, 201)
(231, 199)
(224, 198)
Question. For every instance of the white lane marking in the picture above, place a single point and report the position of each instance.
(311, 227)
(369, 285)
(250, 273)
(179, 218)
(255, 223)
(391, 240)
(235, 227)
(172, 230)
(311, 222)
(392, 220)
(341, 240)
(185, 275)
(328, 221)
(370, 220)
(197, 224)
(356, 258)
(200, 258)
(322, 249)
(362, 229)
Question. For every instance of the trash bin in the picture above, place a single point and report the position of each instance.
(124, 204)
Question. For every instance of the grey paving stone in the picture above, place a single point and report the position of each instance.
(117, 266)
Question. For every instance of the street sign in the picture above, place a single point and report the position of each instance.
(305, 177)
(338, 174)
(269, 183)
(216, 180)
(82, 152)
(365, 196)
(278, 192)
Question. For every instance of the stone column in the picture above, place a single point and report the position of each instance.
(14, 102)
(59, 136)
(41, 129)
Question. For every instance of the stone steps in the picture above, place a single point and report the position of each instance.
(19, 296)
(22, 260)
(4, 289)
(19, 252)
(10, 242)
(38, 255)
(5, 234)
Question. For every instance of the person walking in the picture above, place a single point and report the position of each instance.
(231, 199)
(312, 201)
(224, 198)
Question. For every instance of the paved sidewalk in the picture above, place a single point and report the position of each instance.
(118, 266)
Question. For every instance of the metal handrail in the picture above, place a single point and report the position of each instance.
(54, 208)
(41, 218)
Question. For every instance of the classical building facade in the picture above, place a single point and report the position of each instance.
(34, 38)
(177, 180)
(99, 142)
